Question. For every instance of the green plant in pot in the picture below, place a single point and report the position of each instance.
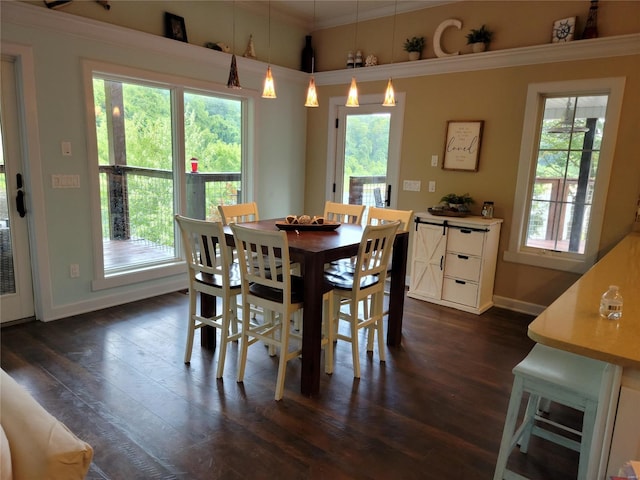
(414, 46)
(457, 202)
(479, 38)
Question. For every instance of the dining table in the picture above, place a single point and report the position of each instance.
(312, 249)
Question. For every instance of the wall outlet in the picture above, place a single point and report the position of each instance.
(74, 270)
(411, 185)
(432, 186)
(434, 160)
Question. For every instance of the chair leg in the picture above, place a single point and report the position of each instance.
(588, 426)
(244, 342)
(329, 332)
(224, 336)
(508, 441)
(528, 421)
(284, 353)
(191, 327)
(355, 351)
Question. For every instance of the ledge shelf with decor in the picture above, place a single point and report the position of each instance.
(454, 261)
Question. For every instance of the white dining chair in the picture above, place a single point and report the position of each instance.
(365, 284)
(281, 295)
(343, 212)
(211, 272)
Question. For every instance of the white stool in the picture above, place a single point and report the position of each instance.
(549, 374)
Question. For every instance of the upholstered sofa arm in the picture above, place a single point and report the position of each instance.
(41, 446)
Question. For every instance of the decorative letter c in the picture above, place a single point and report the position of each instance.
(452, 22)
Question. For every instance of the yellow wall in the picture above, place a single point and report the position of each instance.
(498, 97)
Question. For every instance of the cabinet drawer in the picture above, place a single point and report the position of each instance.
(462, 266)
(464, 240)
(460, 291)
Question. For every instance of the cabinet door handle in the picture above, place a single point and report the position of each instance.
(441, 261)
(465, 230)
(461, 282)
(463, 257)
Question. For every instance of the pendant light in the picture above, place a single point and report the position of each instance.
(312, 95)
(269, 90)
(234, 80)
(352, 99)
(390, 95)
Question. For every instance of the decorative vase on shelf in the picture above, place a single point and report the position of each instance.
(591, 27)
(306, 61)
(478, 47)
(414, 56)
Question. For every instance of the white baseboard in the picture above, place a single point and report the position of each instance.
(71, 309)
(518, 306)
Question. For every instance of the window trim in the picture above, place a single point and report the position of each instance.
(571, 262)
(177, 86)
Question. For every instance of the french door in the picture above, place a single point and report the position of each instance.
(365, 168)
(16, 287)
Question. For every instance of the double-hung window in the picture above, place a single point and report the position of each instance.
(162, 146)
(565, 162)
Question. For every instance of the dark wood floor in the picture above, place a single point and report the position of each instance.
(435, 410)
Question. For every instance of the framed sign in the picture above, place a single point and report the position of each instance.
(174, 27)
(462, 145)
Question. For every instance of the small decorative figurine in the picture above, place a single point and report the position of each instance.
(250, 52)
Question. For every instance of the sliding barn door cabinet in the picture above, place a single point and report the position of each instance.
(454, 261)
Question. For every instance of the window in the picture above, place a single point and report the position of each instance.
(563, 176)
(162, 147)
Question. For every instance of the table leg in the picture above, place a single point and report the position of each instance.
(397, 290)
(312, 324)
(207, 333)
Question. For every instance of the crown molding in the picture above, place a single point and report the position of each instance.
(26, 15)
(534, 55)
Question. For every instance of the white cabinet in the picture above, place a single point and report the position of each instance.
(454, 261)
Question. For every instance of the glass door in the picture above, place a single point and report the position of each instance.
(16, 289)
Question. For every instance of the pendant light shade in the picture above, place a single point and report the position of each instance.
(389, 96)
(312, 96)
(352, 99)
(234, 80)
(269, 90)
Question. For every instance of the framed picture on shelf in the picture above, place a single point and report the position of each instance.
(462, 145)
(563, 30)
(174, 27)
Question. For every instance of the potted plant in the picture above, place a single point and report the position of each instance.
(414, 46)
(479, 38)
(457, 202)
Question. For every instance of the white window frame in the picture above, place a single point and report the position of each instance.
(177, 85)
(567, 261)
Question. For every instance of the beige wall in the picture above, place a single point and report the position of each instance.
(498, 97)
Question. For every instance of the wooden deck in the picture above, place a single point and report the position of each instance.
(120, 253)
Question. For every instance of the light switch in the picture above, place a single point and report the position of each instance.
(66, 149)
(432, 186)
(434, 161)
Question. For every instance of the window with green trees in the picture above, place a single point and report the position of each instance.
(149, 138)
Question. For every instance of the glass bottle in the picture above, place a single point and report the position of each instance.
(591, 27)
(306, 62)
(487, 210)
(350, 60)
(611, 303)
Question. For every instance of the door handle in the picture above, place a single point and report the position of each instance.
(387, 201)
(22, 211)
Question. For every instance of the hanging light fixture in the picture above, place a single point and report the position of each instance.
(352, 99)
(312, 95)
(390, 94)
(269, 90)
(566, 124)
(234, 80)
